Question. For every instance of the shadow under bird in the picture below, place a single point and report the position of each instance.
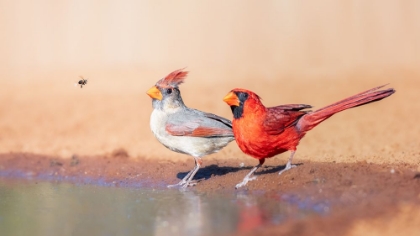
(264, 132)
(185, 130)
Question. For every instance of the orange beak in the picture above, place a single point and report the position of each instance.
(231, 99)
(154, 93)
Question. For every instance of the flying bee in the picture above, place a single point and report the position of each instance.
(81, 82)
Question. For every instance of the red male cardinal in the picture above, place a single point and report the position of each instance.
(182, 129)
(265, 132)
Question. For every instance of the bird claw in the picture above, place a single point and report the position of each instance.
(288, 167)
(245, 181)
(183, 184)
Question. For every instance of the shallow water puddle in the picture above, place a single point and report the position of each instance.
(30, 207)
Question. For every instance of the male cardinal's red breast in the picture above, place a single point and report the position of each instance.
(264, 132)
(182, 129)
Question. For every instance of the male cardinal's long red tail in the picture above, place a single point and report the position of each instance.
(312, 119)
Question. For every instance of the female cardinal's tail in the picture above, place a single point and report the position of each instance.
(312, 119)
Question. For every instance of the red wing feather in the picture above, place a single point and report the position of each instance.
(210, 132)
(293, 107)
(281, 117)
(195, 130)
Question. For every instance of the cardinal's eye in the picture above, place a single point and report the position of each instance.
(168, 91)
(243, 97)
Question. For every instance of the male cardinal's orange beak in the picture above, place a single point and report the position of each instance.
(231, 99)
(154, 92)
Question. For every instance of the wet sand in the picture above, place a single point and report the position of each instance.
(382, 199)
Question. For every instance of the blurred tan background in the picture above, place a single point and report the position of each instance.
(286, 51)
(241, 36)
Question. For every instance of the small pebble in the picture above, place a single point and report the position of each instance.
(392, 171)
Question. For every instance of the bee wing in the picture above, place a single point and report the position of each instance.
(81, 82)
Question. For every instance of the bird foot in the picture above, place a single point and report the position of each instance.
(288, 167)
(245, 181)
(183, 184)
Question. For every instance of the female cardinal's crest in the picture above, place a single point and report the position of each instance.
(173, 79)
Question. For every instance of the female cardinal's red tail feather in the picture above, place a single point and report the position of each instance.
(310, 120)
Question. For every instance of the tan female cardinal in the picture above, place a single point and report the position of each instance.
(182, 129)
(265, 132)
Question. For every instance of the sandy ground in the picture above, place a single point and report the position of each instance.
(364, 198)
(49, 126)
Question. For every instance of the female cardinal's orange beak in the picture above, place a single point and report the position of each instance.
(231, 99)
(154, 92)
